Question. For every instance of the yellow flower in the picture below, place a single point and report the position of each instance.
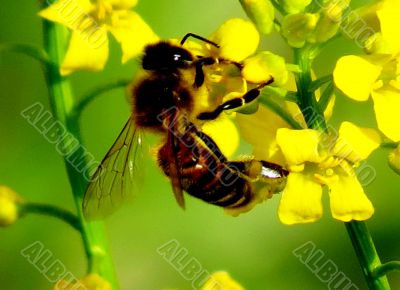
(262, 123)
(89, 282)
(266, 122)
(90, 22)
(237, 38)
(377, 74)
(314, 160)
(8, 206)
(221, 281)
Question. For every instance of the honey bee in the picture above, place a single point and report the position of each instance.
(164, 101)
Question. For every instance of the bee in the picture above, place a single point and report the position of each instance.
(164, 101)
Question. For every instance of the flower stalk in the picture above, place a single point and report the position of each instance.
(62, 104)
(358, 232)
(367, 256)
(307, 102)
(51, 210)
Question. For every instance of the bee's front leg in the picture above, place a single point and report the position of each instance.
(235, 103)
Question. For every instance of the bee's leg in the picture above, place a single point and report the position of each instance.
(228, 61)
(199, 78)
(248, 97)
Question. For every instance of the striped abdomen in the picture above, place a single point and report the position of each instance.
(205, 173)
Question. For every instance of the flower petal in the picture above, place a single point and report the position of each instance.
(355, 76)
(348, 200)
(122, 4)
(86, 52)
(299, 146)
(132, 32)
(263, 123)
(355, 143)
(301, 200)
(224, 132)
(390, 21)
(264, 65)
(237, 38)
(386, 106)
(68, 13)
(221, 280)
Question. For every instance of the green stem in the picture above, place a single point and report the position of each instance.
(90, 96)
(367, 255)
(279, 110)
(53, 211)
(386, 268)
(307, 101)
(26, 49)
(278, 7)
(326, 97)
(61, 100)
(319, 82)
(389, 144)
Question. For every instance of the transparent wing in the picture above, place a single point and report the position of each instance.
(118, 175)
(174, 170)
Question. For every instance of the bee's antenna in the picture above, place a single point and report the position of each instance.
(198, 37)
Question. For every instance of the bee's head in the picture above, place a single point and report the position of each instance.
(165, 56)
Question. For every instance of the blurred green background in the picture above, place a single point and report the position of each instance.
(255, 248)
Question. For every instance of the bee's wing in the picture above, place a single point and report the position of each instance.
(117, 176)
(173, 121)
(174, 174)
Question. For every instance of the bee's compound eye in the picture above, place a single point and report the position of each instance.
(177, 57)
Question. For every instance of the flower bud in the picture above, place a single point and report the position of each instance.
(89, 282)
(297, 28)
(394, 160)
(8, 206)
(294, 6)
(261, 12)
(221, 280)
(362, 24)
(329, 21)
(264, 65)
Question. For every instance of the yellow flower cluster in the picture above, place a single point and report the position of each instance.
(302, 26)
(313, 162)
(377, 74)
(238, 40)
(316, 159)
(90, 23)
